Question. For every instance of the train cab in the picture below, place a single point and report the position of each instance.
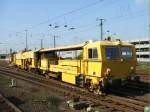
(110, 62)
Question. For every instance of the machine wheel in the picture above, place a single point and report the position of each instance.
(59, 76)
(137, 79)
(90, 88)
(97, 91)
(80, 80)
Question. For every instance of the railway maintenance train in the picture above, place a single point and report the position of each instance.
(93, 65)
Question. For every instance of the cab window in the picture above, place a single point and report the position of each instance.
(126, 52)
(112, 52)
(92, 53)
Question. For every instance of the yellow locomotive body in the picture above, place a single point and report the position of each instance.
(17, 59)
(24, 60)
(28, 60)
(12, 58)
(101, 62)
(93, 65)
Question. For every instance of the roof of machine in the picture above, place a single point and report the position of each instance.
(80, 46)
(69, 47)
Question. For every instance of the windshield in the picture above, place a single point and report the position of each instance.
(126, 52)
(115, 52)
(112, 52)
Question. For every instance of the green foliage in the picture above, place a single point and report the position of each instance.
(144, 67)
(4, 81)
(53, 104)
(43, 97)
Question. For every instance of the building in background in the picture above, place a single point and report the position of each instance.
(142, 50)
(3, 56)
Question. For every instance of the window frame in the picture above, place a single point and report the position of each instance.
(130, 50)
(118, 57)
(120, 52)
(94, 48)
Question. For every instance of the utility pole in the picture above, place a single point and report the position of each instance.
(54, 41)
(26, 40)
(41, 43)
(10, 51)
(149, 24)
(101, 26)
(54, 37)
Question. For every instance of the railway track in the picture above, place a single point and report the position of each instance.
(108, 102)
(145, 75)
(127, 94)
(7, 106)
(142, 86)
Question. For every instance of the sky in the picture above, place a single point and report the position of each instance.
(124, 19)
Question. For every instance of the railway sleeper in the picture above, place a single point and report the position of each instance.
(128, 104)
(129, 100)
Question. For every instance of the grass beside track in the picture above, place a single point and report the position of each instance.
(4, 81)
(144, 67)
(33, 98)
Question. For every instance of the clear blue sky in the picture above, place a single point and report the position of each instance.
(128, 19)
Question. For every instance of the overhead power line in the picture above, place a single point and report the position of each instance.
(135, 15)
(71, 12)
(68, 13)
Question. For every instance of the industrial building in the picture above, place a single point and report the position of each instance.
(142, 50)
(3, 56)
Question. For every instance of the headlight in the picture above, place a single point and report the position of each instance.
(132, 69)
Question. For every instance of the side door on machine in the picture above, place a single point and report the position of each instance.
(92, 62)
